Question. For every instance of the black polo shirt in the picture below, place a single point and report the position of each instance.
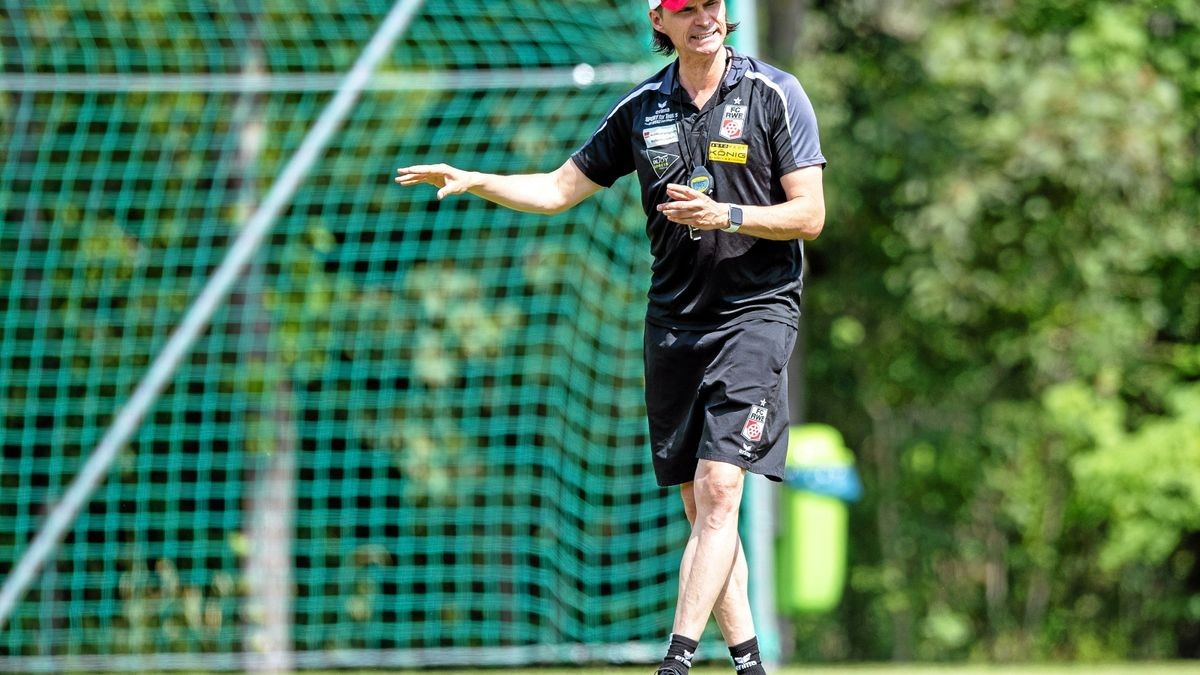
(758, 127)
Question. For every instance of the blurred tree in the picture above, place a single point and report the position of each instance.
(784, 21)
(1004, 319)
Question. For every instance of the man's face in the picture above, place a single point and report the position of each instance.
(698, 28)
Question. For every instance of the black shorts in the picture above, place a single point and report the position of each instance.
(718, 395)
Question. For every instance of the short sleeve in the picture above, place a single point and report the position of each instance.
(607, 154)
(794, 137)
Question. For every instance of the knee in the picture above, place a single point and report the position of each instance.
(718, 497)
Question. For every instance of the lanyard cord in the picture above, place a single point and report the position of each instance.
(702, 116)
(685, 133)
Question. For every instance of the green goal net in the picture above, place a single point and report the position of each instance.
(413, 431)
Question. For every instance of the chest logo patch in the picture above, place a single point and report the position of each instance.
(733, 122)
(734, 153)
(661, 161)
(659, 136)
(661, 115)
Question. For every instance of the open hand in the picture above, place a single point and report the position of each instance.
(448, 180)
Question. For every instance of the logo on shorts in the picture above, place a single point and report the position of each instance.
(756, 421)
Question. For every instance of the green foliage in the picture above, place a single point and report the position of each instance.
(1144, 484)
(1005, 313)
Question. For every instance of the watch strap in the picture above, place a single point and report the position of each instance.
(734, 219)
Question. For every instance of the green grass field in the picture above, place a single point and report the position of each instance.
(1179, 668)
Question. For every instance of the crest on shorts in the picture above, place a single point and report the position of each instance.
(756, 421)
(733, 122)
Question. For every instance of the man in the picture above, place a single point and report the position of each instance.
(726, 150)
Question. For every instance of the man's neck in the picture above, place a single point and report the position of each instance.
(700, 75)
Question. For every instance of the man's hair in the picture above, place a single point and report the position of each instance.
(662, 43)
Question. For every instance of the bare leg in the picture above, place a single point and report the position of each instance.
(709, 575)
(732, 610)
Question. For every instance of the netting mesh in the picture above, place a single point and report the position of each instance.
(458, 386)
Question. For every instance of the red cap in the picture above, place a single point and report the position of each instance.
(673, 5)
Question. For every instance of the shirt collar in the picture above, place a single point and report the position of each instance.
(738, 66)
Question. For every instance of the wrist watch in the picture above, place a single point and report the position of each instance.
(735, 219)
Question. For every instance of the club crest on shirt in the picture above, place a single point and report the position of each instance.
(756, 422)
(733, 122)
(661, 161)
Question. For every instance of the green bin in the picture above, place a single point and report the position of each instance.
(819, 481)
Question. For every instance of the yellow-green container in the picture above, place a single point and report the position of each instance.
(820, 480)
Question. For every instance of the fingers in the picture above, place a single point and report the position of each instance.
(685, 199)
(447, 179)
(688, 206)
(681, 212)
(418, 170)
(682, 217)
(410, 175)
(682, 192)
(434, 174)
(424, 168)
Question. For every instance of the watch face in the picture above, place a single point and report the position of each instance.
(735, 215)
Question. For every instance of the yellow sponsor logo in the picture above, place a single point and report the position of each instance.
(735, 153)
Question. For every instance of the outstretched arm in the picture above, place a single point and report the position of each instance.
(546, 193)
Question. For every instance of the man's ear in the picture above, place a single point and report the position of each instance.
(656, 19)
